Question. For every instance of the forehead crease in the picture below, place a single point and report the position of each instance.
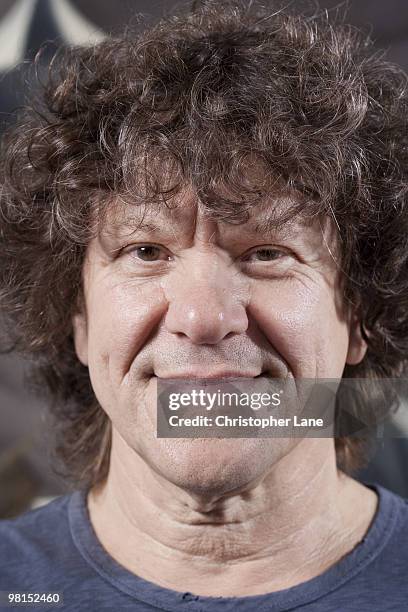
(136, 218)
(264, 217)
(271, 218)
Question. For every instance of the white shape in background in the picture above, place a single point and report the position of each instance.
(74, 27)
(13, 33)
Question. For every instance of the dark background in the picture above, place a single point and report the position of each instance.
(26, 476)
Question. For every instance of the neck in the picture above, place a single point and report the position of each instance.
(290, 526)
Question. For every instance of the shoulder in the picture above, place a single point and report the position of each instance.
(393, 523)
(375, 570)
(383, 552)
(36, 544)
(35, 525)
(392, 509)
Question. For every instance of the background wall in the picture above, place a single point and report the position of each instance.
(25, 471)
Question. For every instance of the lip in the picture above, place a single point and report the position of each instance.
(210, 375)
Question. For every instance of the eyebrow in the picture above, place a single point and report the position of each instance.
(268, 223)
(271, 224)
(263, 226)
(117, 228)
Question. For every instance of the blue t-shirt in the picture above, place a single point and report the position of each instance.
(54, 550)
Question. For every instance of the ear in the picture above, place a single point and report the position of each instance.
(80, 329)
(357, 345)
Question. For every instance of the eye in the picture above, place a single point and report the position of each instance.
(264, 254)
(148, 253)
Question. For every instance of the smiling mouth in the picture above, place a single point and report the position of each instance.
(224, 375)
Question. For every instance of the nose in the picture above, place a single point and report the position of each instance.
(205, 304)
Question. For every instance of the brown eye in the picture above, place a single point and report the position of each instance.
(149, 252)
(266, 254)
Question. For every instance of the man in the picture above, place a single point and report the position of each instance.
(222, 196)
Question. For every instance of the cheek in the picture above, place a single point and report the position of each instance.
(121, 319)
(302, 324)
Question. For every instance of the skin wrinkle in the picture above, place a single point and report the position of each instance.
(210, 566)
(217, 517)
(274, 106)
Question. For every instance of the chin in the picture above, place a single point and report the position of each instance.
(210, 465)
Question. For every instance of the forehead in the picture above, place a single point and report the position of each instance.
(184, 218)
(278, 212)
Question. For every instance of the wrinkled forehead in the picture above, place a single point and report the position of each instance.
(224, 189)
(283, 215)
(281, 208)
(184, 208)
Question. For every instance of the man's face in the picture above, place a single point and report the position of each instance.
(182, 295)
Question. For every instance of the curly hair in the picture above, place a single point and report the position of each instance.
(204, 91)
